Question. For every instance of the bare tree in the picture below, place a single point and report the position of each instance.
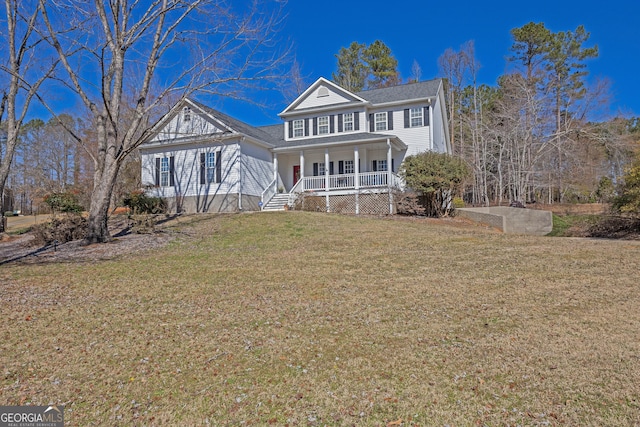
(159, 52)
(25, 72)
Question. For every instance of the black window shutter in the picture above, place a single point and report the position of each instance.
(393, 167)
(371, 123)
(172, 181)
(332, 128)
(315, 169)
(425, 119)
(375, 166)
(315, 125)
(157, 171)
(406, 118)
(356, 121)
(340, 167)
(203, 168)
(306, 127)
(290, 129)
(219, 166)
(330, 168)
(339, 122)
(390, 120)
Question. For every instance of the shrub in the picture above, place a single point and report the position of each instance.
(63, 201)
(628, 202)
(409, 204)
(438, 176)
(63, 229)
(140, 203)
(8, 213)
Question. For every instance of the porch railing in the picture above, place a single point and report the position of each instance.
(347, 181)
(269, 192)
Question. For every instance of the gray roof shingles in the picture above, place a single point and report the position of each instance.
(274, 134)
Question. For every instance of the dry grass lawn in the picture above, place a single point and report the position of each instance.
(312, 319)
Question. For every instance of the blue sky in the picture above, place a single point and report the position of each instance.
(422, 30)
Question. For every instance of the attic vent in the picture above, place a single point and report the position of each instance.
(323, 91)
(186, 114)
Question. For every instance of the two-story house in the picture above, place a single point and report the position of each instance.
(343, 148)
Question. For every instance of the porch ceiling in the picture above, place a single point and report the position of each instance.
(350, 139)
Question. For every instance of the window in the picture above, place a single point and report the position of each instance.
(416, 117)
(380, 121)
(186, 114)
(323, 125)
(379, 165)
(323, 91)
(348, 166)
(298, 128)
(347, 122)
(318, 169)
(164, 172)
(211, 167)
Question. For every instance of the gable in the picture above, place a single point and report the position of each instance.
(321, 94)
(187, 122)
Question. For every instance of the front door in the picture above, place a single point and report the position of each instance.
(296, 174)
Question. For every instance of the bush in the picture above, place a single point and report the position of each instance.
(140, 203)
(409, 204)
(64, 229)
(438, 176)
(628, 202)
(9, 213)
(64, 201)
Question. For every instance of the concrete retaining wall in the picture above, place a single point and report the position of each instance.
(511, 220)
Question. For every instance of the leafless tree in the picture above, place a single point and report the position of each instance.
(159, 52)
(25, 67)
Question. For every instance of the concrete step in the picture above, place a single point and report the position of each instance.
(277, 202)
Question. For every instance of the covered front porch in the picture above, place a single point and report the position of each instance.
(336, 168)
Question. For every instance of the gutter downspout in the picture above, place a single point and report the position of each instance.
(240, 174)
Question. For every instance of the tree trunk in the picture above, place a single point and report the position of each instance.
(104, 182)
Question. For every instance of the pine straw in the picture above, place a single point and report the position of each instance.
(314, 319)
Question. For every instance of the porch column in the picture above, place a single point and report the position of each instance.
(275, 168)
(326, 176)
(389, 175)
(356, 169)
(302, 168)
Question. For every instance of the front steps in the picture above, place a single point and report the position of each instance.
(277, 202)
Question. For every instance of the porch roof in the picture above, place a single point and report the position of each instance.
(345, 139)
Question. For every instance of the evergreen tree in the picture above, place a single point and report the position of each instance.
(366, 67)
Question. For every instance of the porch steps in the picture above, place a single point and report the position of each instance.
(277, 202)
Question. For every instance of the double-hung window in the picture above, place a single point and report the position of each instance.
(379, 165)
(348, 166)
(323, 125)
(380, 121)
(347, 119)
(211, 167)
(416, 117)
(298, 128)
(164, 172)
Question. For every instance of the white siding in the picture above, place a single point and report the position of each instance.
(187, 170)
(257, 169)
(179, 128)
(416, 138)
(313, 100)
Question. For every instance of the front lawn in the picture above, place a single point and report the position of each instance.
(316, 319)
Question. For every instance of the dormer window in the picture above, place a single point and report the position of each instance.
(323, 91)
(186, 114)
